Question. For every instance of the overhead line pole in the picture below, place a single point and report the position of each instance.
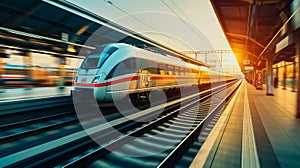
(221, 52)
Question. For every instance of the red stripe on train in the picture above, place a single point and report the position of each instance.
(107, 83)
(127, 80)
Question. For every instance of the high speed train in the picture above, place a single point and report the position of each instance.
(117, 70)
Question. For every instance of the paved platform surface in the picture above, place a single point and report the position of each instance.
(32, 93)
(255, 130)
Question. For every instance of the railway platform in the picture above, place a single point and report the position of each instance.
(16, 94)
(255, 130)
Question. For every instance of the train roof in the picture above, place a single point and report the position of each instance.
(150, 50)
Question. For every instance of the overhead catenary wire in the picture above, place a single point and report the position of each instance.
(203, 40)
(180, 10)
(129, 14)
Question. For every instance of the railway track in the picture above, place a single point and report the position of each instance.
(13, 131)
(23, 106)
(70, 145)
(164, 141)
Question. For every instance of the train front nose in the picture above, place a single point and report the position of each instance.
(89, 86)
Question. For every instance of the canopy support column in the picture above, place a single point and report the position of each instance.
(269, 73)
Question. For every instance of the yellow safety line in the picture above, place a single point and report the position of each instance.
(249, 152)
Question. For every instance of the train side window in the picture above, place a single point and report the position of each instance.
(152, 70)
(162, 72)
(182, 71)
(125, 67)
(187, 72)
(191, 72)
(162, 68)
(142, 63)
(176, 70)
(152, 67)
(195, 71)
(144, 71)
(171, 69)
(130, 65)
(118, 70)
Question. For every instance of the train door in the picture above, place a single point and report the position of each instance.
(145, 79)
(199, 76)
(144, 74)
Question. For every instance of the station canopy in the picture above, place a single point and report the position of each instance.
(257, 29)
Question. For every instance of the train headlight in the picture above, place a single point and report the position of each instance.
(96, 79)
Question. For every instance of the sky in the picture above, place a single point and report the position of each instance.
(183, 25)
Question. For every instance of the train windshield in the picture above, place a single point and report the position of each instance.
(91, 61)
(96, 59)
